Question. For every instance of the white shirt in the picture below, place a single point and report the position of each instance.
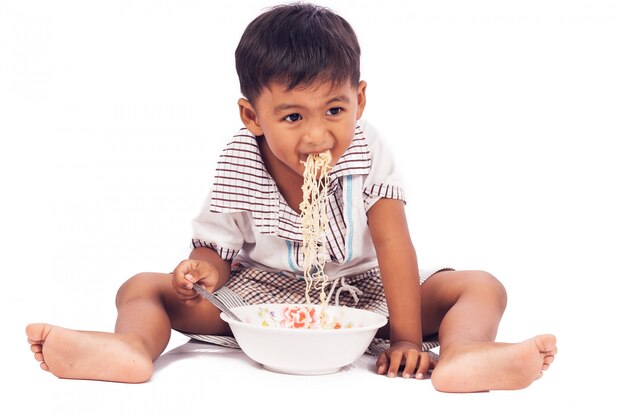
(246, 220)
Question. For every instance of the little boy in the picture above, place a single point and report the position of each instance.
(299, 72)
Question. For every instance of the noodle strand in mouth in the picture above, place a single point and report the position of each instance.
(314, 220)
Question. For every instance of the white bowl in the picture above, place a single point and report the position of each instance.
(262, 336)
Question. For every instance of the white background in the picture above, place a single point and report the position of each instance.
(506, 117)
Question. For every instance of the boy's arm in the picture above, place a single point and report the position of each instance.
(400, 277)
(398, 268)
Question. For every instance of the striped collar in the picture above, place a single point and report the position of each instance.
(242, 183)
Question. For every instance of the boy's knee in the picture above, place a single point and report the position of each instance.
(491, 286)
(142, 371)
(141, 285)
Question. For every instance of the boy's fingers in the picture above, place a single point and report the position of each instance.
(410, 363)
(191, 278)
(395, 359)
(186, 279)
(192, 301)
(423, 366)
(186, 294)
(381, 364)
(181, 285)
(198, 275)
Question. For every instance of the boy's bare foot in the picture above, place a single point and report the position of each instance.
(89, 355)
(493, 366)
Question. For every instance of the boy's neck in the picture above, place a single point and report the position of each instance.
(288, 182)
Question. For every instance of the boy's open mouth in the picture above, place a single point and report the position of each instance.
(319, 159)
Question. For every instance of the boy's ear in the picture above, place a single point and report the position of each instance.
(249, 117)
(360, 98)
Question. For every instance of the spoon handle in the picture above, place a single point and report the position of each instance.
(215, 301)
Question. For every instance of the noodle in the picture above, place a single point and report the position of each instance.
(314, 223)
(314, 220)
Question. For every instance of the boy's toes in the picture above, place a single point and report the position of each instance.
(546, 344)
(546, 362)
(37, 332)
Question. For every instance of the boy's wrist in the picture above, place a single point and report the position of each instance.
(416, 342)
(401, 333)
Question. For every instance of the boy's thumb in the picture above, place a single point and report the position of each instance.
(191, 276)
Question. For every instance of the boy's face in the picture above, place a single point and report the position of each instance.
(303, 121)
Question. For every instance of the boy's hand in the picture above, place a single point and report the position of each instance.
(409, 355)
(189, 272)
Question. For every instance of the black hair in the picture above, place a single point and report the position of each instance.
(297, 44)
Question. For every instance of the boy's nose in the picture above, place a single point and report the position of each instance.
(317, 139)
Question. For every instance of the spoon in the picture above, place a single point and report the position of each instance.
(215, 301)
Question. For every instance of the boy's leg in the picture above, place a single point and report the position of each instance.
(147, 310)
(152, 295)
(465, 308)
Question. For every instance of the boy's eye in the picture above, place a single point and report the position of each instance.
(293, 117)
(334, 111)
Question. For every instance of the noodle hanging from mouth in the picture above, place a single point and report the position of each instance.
(314, 221)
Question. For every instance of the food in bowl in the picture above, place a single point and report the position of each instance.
(301, 339)
(293, 316)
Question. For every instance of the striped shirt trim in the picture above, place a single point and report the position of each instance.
(385, 191)
(225, 254)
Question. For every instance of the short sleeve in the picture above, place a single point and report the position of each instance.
(383, 180)
(222, 232)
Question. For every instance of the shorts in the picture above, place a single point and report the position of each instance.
(248, 286)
